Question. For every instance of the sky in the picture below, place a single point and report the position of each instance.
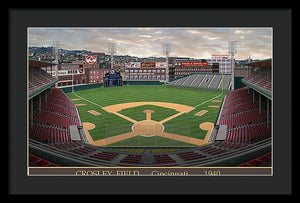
(148, 41)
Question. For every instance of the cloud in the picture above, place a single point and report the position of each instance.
(144, 42)
(242, 32)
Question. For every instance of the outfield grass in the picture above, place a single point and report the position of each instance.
(108, 124)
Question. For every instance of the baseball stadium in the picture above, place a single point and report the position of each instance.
(195, 120)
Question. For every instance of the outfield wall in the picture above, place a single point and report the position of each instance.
(80, 87)
(238, 84)
(97, 85)
(143, 83)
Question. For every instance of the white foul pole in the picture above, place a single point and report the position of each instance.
(232, 52)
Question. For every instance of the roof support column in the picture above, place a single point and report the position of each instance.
(259, 102)
(46, 95)
(31, 113)
(40, 102)
(268, 113)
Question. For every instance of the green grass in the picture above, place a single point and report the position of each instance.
(159, 113)
(108, 124)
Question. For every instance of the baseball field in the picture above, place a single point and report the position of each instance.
(147, 115)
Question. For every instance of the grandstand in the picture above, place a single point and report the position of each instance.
(39, 79)
(242, 131)
(260, 78)
(244, 122)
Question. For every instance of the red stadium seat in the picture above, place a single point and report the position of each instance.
(56, 115)
(254, 162)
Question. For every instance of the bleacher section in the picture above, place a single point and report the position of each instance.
(51, 124)
(203, 81)
(197, 80)
(206, 81)
(216, 81)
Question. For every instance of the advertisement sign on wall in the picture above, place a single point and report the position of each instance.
(67, 72)
(193, 64)
(161, 65)
(91, 59)
(148, 64)
(133, 65)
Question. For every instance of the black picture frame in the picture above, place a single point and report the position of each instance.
(279, 19)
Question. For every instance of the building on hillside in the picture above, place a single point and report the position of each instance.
(65, 71)
(88, 66)
(96, 75)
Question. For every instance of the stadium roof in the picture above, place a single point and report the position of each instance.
(259, 63)
(40, 63)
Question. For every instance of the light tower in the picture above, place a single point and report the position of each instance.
(167, 51)
(232, 52)
(56, 45)
(112, 51)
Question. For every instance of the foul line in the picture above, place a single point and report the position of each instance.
(184, 112)
(88, 100)
(207, 100)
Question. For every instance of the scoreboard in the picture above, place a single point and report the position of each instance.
(112, 79)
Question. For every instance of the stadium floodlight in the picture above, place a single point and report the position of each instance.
(232, 52)
(56, 46)
(112, 51)
(167, 51)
